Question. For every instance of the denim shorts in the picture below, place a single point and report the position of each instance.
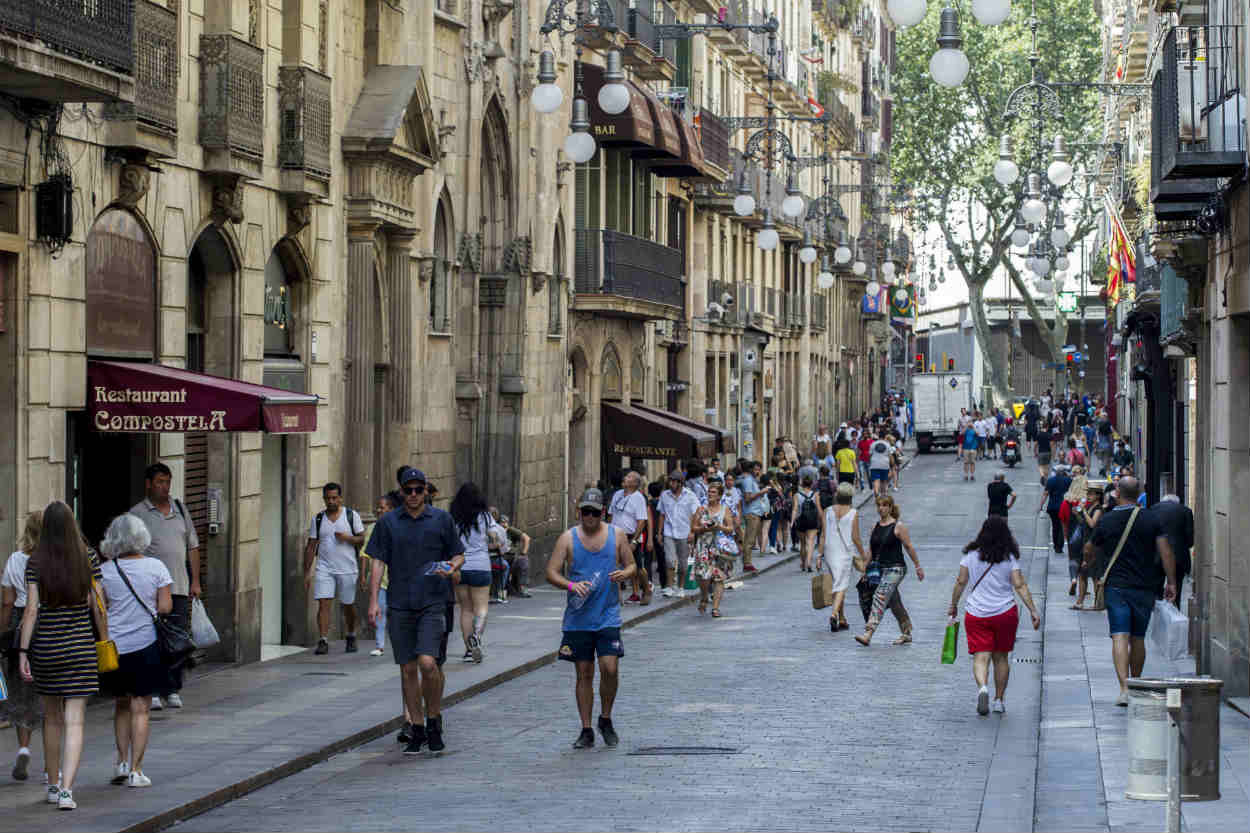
(475, 578)
(879, 474)
(1128, 610)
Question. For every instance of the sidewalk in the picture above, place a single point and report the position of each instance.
(245, 727)
(1083, 763)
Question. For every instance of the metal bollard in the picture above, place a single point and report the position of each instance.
(1156, 729)
(1174, 760)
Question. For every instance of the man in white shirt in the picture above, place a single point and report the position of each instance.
(333, 540)
(627, 511)
(982, 432)
(677, 507)
(991, 435)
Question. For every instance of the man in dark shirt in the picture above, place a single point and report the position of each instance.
(1002, 496)
(1132, 580)
(1043, 453)
(421, 549)
(1177, 522)
(1052, 501)
(1123, 455)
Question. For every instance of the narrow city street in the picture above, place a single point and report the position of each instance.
(814, 731)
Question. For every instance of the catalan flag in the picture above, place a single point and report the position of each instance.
(1121, 261)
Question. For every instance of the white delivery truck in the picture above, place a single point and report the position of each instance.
(937, 398)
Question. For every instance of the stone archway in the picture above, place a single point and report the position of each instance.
(610, 383)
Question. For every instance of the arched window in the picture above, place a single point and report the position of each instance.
(440, 319)
(279, 309)
(555, 286)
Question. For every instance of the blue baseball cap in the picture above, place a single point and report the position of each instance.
(409, 474)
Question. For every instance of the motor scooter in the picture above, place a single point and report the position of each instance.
(1011, 452)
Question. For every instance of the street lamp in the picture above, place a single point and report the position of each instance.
(1059, 171)
(843, 254)
(613, 95)
(991, 12)
(744, 203)
(1006, 171)
(825, 279)
(859, 268)
(949, 65)
(792, 205)
(547, 96)
(579, 145)
(1034, 210)
(1020, 235)
(873, 288)
(807, 254)
(768, 238)
(906, 12)
(1059, 235)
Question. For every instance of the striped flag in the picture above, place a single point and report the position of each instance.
(817, 110)
(1121, 261)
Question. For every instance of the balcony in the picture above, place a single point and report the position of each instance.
(150, 122)
(792, 311)
(232, 105)
(714, 136)
(1179, 199)
(717, 290)
(304, 144)
(643, 51)
(871, 110)
(1201, 130)
(820, 318)
(60, 51)
(1149, 277)
(622, 276)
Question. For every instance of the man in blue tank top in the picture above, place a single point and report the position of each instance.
(595, 557)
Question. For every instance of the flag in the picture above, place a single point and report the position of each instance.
(901, 311)
(817, 110)
(1121, 261)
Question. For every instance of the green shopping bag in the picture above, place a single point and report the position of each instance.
(690, 583)
(950, 643)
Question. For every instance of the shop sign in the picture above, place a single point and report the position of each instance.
(648, 452)
(121, 287)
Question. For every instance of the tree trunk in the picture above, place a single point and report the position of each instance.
(1056, 337)
(997, 370)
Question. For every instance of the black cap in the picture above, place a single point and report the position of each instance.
(410, 474)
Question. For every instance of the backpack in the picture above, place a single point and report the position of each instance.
(351, 527)
(825, 487)
(809, 514)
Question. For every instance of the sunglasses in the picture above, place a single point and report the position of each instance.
(413, 490)
(586, 510)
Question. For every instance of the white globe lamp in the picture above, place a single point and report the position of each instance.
(860, 267)
(579, 146)
(824, 280)
(991, 12)
(843, 254)
(887, 268)
(906, 12)
(1059, 172)
(744, 203)
(1006, 171)
(873, 289)
(807, 253)
(613, 95)
(1020, 237)
(1059, 237)
(949, 65)
(1062, 263)
(547, 96)
(768, 238)
(792, 205)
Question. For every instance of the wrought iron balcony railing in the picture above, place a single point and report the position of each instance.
(304, 102)
(98, 31)
(156, 66)
(232, 95)
(1202, 123)
(613, 263)
(714, 135)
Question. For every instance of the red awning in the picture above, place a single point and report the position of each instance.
(133, 398)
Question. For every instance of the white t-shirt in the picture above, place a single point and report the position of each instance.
(733, 499)
(334, 556)
(880, 455)
(15, 577)
(627, 511)
(130, 626)
(981, 428)
(477, 545)
(994, 595)
(678, 511)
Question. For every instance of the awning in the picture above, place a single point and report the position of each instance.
(667, 144)
(632, 128)
(724, 438)
(133, 398)
(691, 161)
(652, 435)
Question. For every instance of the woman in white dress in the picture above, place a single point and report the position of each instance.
(842, 549)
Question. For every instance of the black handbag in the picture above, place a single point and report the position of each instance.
(174, 642)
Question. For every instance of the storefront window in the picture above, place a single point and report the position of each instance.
(279, 310)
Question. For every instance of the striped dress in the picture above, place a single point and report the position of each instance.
(62, 650)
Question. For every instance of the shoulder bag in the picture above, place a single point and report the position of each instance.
(950, 640)
(105, 649)
(173, 640)
(1101, 585)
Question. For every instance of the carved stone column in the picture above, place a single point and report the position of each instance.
(358, 408)
(403, 320)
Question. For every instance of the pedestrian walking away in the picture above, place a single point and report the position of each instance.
(992, 563)
(63, 594)
(755, 504)
(23, 708)
(805, 510)
(421, 549)
(587, 562)
(1052, 502)
(1001, 496)
(330, 564)
(880, 458)
(476, 528)
(1137, 546)
(715, 527)
(843, 549)
(174, 544)
(137, 588)
(888, 540)
(1177, 521)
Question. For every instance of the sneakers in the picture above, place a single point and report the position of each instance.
(416, 739)
(610, 738)
(323, 646)
(434, 735)
(1122, 700)
(157, 705)
(475, 647)
(750, 568)
(983, 701)
(65, 800)
(585, 740)
(468, 656)
(54, 793)
(21, 765)
(351, 644)
(525, 594)
(772, 550)
(495, 600)
(174, 701)
(634, 598)
(997, 707)
(667, 592)
(405, 733)
(121, 771)
(138, 779)
(376, 652)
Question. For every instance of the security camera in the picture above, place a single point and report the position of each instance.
(727, 299)
(715, 310)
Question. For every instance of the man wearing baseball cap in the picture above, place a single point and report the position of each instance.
(589, 561)
(421, 549)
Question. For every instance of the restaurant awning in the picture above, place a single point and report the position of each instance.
(690, 162)
(632, 128)
(725, 438)
(134, 398)
(667, 144)
(650, 434)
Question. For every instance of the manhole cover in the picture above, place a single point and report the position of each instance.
(324, 674)
(1033, 660)
(686, 750)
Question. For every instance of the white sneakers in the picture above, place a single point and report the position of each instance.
(376, 652)
(138, 779)
(667, 592)
(54, 793)
(772, 550)
(157, 705)
(174, 701)
(997, 707)
(983, 701)
(121, 771)
(65, 800)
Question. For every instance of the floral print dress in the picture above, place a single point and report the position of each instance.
(712, 562)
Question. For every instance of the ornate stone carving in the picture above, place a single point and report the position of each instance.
(494, 11)
(474, 62)
(537, 281)
(562, 168)
(298, 216)
(132, 183)
(227, 199)
(445, 132)
(470, 251)
(425, 269)
(518, 256)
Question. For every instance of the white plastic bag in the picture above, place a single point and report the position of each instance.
(203, 634)
(1169, 632)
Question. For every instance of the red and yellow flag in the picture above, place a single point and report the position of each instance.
(1121, 260)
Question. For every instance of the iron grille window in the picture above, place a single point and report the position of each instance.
(440, 321)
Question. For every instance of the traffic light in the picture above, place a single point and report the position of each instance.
(920, 362)
(950, 363)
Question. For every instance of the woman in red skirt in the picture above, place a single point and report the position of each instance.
(992, 563)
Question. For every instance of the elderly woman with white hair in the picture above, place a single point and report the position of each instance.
(138, 588)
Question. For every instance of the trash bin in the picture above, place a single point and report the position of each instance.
(1148, 738)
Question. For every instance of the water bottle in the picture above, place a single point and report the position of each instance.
(435, 566)
(950, 643)
(575, 601)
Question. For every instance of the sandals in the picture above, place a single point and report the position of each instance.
(716, 613)
(702, 608)
(904, 639)
(1077, 607)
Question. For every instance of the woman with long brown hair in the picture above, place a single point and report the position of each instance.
(888, 540)
(58, 653)
(23, 708)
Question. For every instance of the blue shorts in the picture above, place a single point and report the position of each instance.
(583, 646)
(475, 578)
(879, 474)
(1128, 610)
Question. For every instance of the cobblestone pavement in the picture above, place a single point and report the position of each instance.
(826, 734)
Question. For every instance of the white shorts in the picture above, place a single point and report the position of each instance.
(341, 586)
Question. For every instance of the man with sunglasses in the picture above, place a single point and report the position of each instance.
(421, 549)
(595, 557)
(677, 508)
